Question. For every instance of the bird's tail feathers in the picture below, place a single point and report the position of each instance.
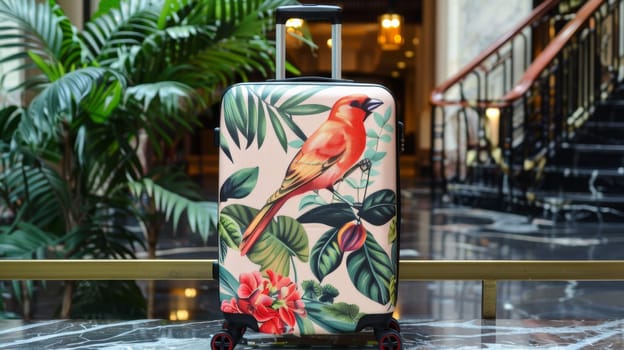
(258, 225)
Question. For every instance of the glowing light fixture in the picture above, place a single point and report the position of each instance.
(179, 315)
(190, 292)
(390, 27)
(493, 118)
(294, 26)
(294, 23)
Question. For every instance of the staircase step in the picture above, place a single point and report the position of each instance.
(591, 156)
(554, 197)
(584, 180)
(583, 172)
(606, 125)
(596, 131)
(609, 110)
(593, 147)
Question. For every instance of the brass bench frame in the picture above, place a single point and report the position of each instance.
(489, 272)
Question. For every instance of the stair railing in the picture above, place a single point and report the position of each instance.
(492, 137)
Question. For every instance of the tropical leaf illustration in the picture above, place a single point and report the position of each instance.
(231, 219)
(393, 291)
(311, 199)
(379, 207)
(371, 270)
(248, 107)
(229, 233)
(328, 293)
(384, 134)
(393, 231)
(333, 214)
(239, 184)
(227, 284)
(335, 318)
(284, 239)
(305, 325)
(313, 290)
(326, 255)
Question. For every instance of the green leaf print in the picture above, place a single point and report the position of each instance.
(379, 207)
(307, 109)
(282, 239)
(230, 116)
(227, 284)
(333, 214)
(231, 219)
(239, 184)
(247, 107)
(306, 327)
(329, 293)
(326, 255)
(252, 118)
(371, 270)
(298, 98)
(334, 318)
(229, 231)
(392, 231)
(278, 128)
(311, 289)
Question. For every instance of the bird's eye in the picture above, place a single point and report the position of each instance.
(354, 104)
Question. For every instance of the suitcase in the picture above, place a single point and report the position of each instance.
(308, 203)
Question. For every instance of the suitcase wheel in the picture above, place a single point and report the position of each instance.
(390, 339)
(223, 340)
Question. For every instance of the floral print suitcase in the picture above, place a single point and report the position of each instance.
(308, 209)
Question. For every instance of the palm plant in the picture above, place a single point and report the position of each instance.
(86, 150)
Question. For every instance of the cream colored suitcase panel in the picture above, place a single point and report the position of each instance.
(313, 167)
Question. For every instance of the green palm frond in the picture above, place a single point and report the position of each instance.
(26, 241)
(104, 235)
(33, 193)
(123, 26)
(9, 120)
(39, 29)
(166, 55)
(201, 215)
(170, 96)
(162, 110)
(206, 44)
(59, 101)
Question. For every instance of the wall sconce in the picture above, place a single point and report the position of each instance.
(390, 26)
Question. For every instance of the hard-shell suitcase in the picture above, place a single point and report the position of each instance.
(308, 203)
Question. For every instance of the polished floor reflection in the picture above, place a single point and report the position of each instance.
(448, 232)
(425, 335)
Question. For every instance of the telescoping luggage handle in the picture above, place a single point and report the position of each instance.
(328, 13)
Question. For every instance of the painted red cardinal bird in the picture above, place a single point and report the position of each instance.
(323, 159)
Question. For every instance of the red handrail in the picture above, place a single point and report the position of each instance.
(551, 51)
(437, 96)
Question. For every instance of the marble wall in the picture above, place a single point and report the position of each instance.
(466, 27)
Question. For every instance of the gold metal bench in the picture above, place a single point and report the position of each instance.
(489, 272)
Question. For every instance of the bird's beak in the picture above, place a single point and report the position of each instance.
(371, 104)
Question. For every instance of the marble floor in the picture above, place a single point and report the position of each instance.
(417, 334)
(433, 315)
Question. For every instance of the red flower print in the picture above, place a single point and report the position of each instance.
(273, 301)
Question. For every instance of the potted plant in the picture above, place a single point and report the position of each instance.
(85, 150)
